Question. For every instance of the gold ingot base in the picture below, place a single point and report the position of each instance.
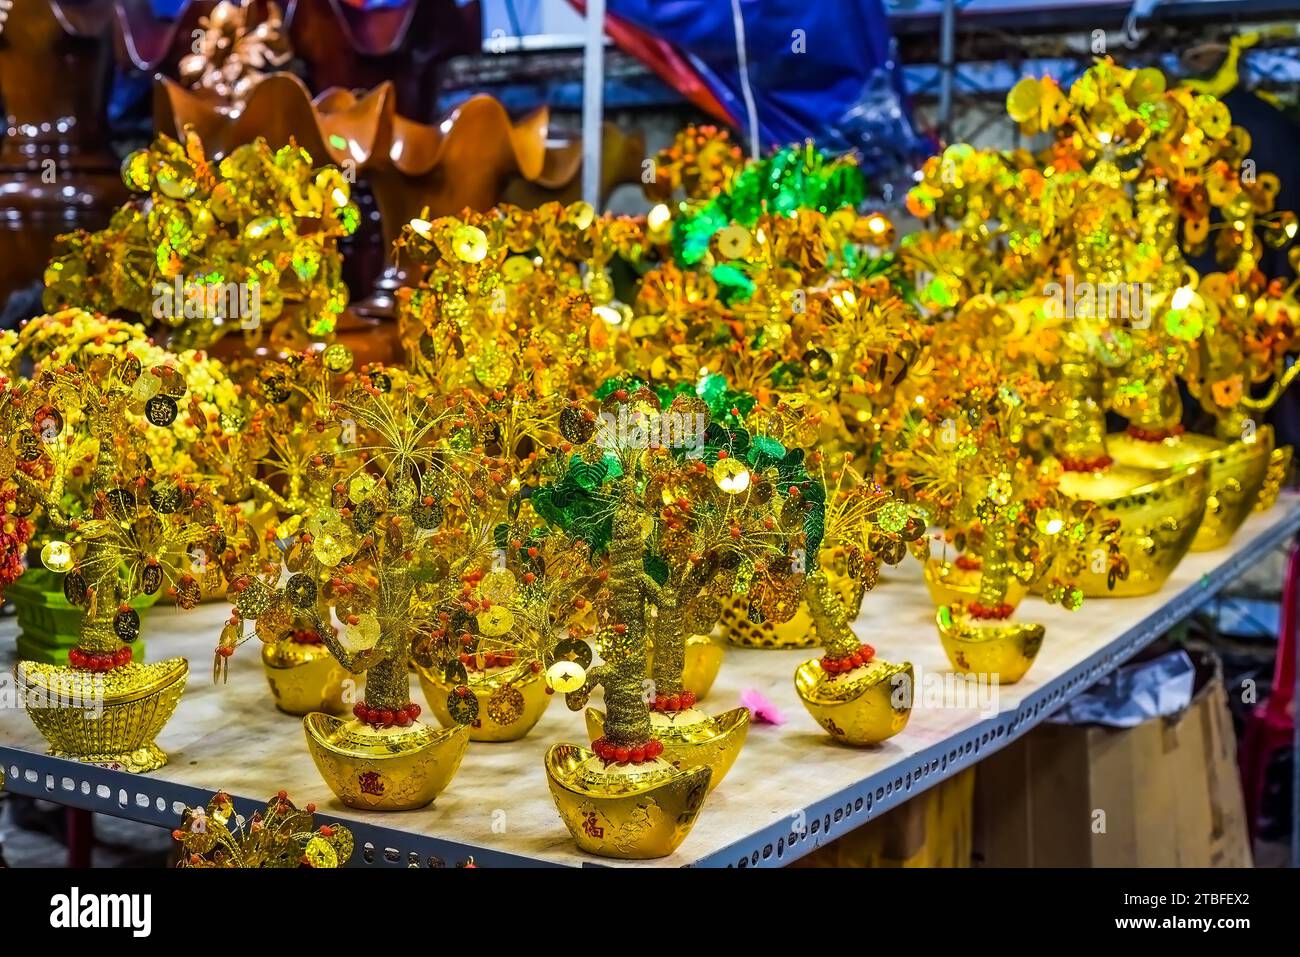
(631, 812)
(386, 769)
(978, 647)
(692, 738)
(1236, 473)
(1237, 477)
(304, 678)
(739, 630)
(950, 585)
(1159, 514)
(863, 707)
(701, 667)
(498, 719)
(1279, 465)
(108, 717)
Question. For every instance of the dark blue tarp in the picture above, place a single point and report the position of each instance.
(819, 69)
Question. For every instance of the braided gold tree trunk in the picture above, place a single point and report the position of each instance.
(623, 674)
(97, 635)
(669, 631)
(829, 616)
(1083, 433)
(993, 565)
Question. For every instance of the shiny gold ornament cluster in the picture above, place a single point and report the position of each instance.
(1071, 265)
(278, 836)
(247, 244)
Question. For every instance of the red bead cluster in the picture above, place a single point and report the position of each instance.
(1154, 435)
(968, 563)
(612, 753)
(674, 702)
(976, 610)
(385, 717)
(836, 666)
(1087, 465)
(490, 660)
(92, 661)
(305, 636)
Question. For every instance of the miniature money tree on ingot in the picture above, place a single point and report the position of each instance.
(277, 452)
(856, 697)
(83, 462)
(623, 798)
(1254, 328)
(250, 242)
(383, 560)
(729, 512)
(962, 459)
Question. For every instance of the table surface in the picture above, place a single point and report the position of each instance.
(791, 790)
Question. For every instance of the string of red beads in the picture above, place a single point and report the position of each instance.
(844, 663)
(968, 563)
(386, 717)
(1154, 435)
(491, 659)
(305, 637)
(95, 661)
(1087, 465)
(612, 753)
(674, 702)
(976, 610)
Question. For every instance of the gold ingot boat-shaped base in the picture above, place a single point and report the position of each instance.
(632, 812)
(692, 738)
(949, 585)
(304, 678)
(1279, 466)
(862, 707)
(510, 701)
(997, 649)
(1236, 473)
(701, 667)
(385, 769)
(108, 718)
(1159, 514)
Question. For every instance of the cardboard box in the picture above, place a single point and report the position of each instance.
(932, 829)
(1165, 793)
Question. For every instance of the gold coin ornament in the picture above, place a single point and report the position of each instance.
(75, 589)
(361, 634)
(731, 475)
(566, 676)
(571, 649)
(470, 244)
(320, 853)
(495, 621)
(506, 705)
(57, 556)
(337, 358)
(734, 241)
(462, 705)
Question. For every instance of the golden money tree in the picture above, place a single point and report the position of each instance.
(247, 243)
(688, 507)
(278, 836)
(375, 564)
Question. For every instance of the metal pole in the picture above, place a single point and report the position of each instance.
(593, 101)
(947, 66)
